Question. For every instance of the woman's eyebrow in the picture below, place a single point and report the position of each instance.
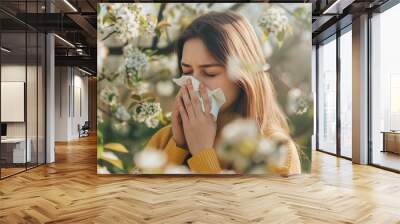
(203, 66)
(211, 65)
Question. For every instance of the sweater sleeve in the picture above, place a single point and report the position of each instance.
(176, 155)
(290, 160)
(163, 140)
(205, 162)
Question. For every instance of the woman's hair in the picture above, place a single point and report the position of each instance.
(228, 34)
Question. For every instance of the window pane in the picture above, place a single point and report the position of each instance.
(15, 150)
(386, 89)
(327, 97)
(345, 94)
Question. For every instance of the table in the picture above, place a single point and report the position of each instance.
(391, 141)
(15, 148)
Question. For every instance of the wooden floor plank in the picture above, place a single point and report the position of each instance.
(70, 191)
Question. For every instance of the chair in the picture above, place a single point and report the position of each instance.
(84, 130)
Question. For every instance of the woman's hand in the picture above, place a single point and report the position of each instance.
(177, 128)
(199, 127)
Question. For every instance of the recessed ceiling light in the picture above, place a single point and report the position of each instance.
(5, 50)
(333, 6)
(70, 5)
(64, 40)
(84, 71)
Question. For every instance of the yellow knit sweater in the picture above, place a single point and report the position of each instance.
(206, 161)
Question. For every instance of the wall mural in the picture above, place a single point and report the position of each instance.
(204, 88)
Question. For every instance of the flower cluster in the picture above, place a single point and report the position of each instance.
(129, 21)
(154, 161)
(244, 150)
(297, 103)
(147, 112)
(109, 96)
(197, 8)
(122, 113)
(236, 67)
(102, 52)
(274, 20)
(165, 88)
(134, 62)
(180, 15)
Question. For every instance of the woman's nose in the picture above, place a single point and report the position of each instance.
(197, 76)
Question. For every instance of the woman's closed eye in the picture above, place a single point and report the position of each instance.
(211, 75)
(205, 74)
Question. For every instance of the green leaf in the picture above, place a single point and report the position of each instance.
(100, 150)
(299, 12)
(280, 36)
(136, 97)
(116, 147)
(114, 162)
(109, 18)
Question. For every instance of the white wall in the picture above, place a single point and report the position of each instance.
(70, 83)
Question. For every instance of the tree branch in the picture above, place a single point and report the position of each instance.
(159, 18)
(171, 46)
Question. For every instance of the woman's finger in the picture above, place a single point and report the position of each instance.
(195, 100)
(179, 103)
(183, 114)
(206, 100)
(187, 103)
(178, 99)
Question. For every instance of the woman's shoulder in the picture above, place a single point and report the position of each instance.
(277, 135)
(166, 130)
(161, 137)
(292, 163)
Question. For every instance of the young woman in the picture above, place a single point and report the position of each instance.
(203, 51)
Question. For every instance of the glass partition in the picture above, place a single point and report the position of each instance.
(385, 89)
(22, 88)
(327, 96)
(14, 153)
(346, 93)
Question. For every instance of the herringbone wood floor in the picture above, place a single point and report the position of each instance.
(69, 191)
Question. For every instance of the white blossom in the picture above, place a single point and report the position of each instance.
(198, 8)
(102, 170)
(102, 52)
(152, 122)
(274, 20)
(237, 67)
(109, 156)
(99, 117)
(109, 95)
(265, 146)
(141, 88)
(175, 169)
(165, 88)
(122, 113)
(134, 61)
(130, 21)
(297, 102)
(239, 129)
(120, 127)
(147, 112)
(150, 160)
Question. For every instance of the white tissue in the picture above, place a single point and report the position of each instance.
(216, 96)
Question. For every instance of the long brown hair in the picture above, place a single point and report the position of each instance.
(228, 34)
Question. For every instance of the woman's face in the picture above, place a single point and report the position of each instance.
(198, 61)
